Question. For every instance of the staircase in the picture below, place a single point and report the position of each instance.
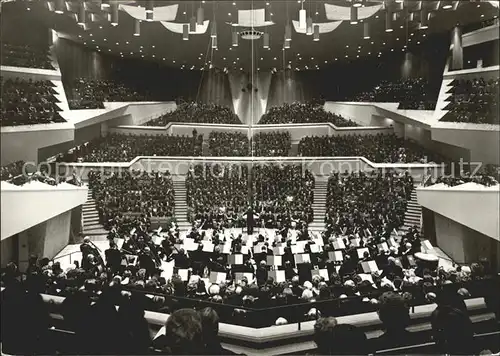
(181, 207)
(319, 205)
(90, 220)
(413, 213)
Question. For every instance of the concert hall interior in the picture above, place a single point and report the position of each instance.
(280, 177)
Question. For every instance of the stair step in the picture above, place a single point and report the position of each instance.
(90, 215)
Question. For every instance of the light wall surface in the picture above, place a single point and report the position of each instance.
(31, 204)
(469, 204)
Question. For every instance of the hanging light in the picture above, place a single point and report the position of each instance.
(424, 19)
(447, 5)
(137, 28)
(59, 7)
(354, 15)
(267, 15)
(357, 3)
(214, 42)
(302, 18)
(192, 24)
(235, 38)
(265, 40)
(200, 16)
(366, 30)
(316, 33)
(114, 13)
(309, 27)
(81, 14)
(150, 6)
(213, 33)
(388, 21)
(149, 16)
(288, 32)
(104, 3)
(185, 32)
(287, 44)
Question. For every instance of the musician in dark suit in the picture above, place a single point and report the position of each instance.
(146, 261)
(113, 257)
(87, 248)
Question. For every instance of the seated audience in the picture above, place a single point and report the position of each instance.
(223, 143)
(28, 102)
(411, 94)
(124, 148)
(85, 93)
(283, 195)
(130, 196)
(217, 195)
(28, 55)
(483, 179)
(359, 201)
(276, 144)
(298, 113)
(11, 170)
(473, 101)
(378, 148)
(200, 113)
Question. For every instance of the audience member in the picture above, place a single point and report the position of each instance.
(323, 335)
(412, 93)
(84, 93)
(298, 113)
(124, 148)
(473, 101)
(275, 144)
(28, 102)
(11, 170)
(28, 55)
(222, 143)
(210, 327)
(378, 148)
(198, 113)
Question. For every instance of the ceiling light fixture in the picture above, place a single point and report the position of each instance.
(214, 42)
(267, 15)
(81, 14)
(149, 16)
(309, 27)
(357, 3)
(235, 38)
(149, 6)
(447, 5)
(200, 16)
(59, 8)
(424, 19)
(185, 32)
(302, 18)
(192, 24)
(104, 4)
(366, 31)
(316, 33)
(265, 40)
(213, 33)
(388, 21)
(114, 13)
(354, 15)
(288, 32)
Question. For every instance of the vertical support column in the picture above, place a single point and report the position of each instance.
(457, 52)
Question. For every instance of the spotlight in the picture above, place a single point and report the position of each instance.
(81, 14)
(234, 38)
(288, 32)
(357, 3)
(149, 16)
(424, 19)
(214, 30)
(302, 18)
(104, 4)
(265, 39)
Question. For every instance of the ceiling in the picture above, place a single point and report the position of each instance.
(346, 43)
